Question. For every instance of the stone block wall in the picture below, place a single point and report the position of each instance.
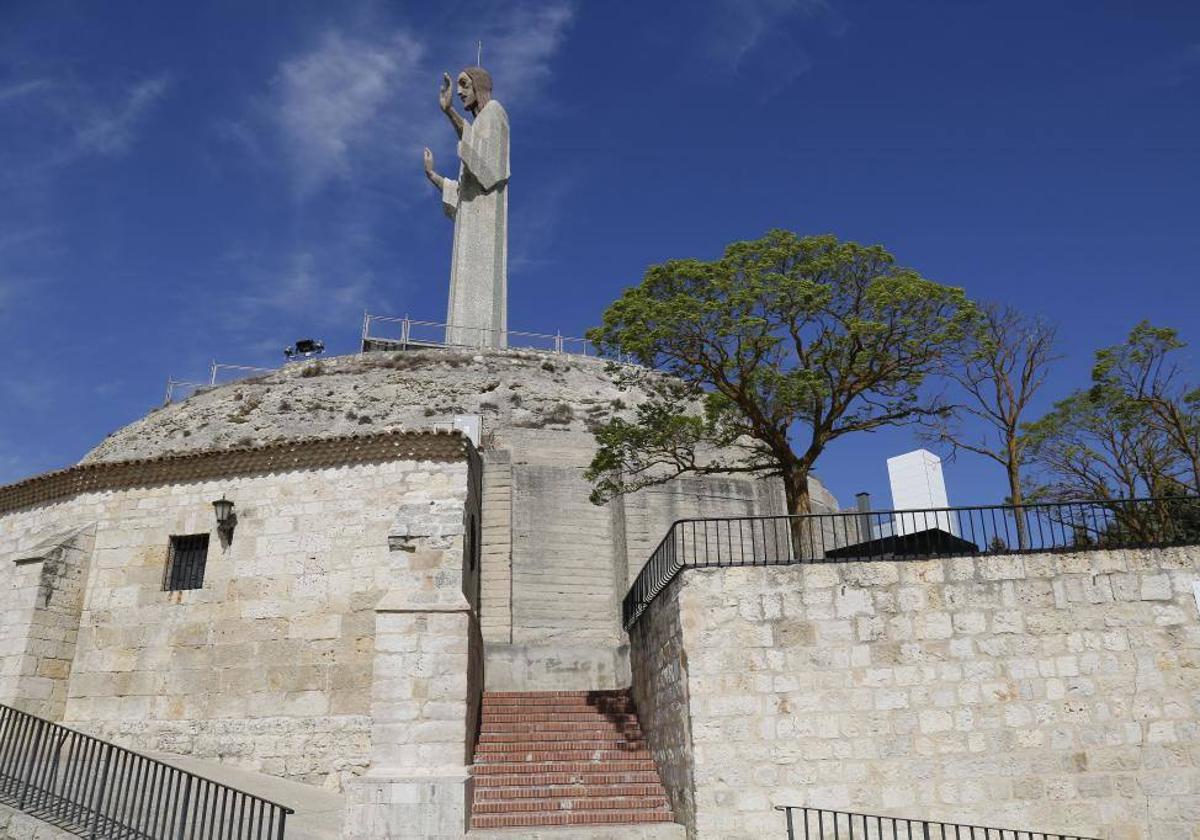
(1048, 692)
(270, 664)
(40, 624)
(563, 582)
(660, 693)
(496, 600)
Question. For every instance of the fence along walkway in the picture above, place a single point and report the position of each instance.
(820, 824)
(384, 332)
(96, 789)
(910, 535)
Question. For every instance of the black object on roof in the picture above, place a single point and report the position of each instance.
(933, 542)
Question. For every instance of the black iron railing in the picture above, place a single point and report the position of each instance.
(820, 824)
(910, 535)
(99, 790)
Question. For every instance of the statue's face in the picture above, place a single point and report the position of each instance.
(466, 91)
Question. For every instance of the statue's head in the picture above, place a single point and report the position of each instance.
(474, 88)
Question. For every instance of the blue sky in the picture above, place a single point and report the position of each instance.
(187, 181)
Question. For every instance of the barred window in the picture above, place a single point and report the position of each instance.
(185, 562)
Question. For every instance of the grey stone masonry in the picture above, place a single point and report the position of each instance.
(496, 560)
(269, 665)
(660, 691)
(40, 624)
(1047, 692)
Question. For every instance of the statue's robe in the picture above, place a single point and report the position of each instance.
(478, 202)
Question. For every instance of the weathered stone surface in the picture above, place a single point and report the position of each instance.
(15, 825)
(965, 689)
(660, 692)
(511, 390)
(270, 665)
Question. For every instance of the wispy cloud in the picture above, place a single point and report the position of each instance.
(1182, 67)
(111, 129)
(519, 45)
(17, 90)
(343, 122)
(361, 104)
(52, 123)
(300, 287)
(761, 32)
(330, 100)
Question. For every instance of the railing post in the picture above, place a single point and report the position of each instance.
(98, 797)
(405, 331)
(27, 772)
(187, 793)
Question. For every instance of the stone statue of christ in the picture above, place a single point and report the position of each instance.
(477, 314)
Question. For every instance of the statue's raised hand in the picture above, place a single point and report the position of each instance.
(428, 161)
(445, 93)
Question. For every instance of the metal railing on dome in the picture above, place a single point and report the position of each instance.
(219, 373)
(911, 535)
(96, 789)
(385, 332)
(805, 823)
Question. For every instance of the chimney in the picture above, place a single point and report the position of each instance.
(864, 516)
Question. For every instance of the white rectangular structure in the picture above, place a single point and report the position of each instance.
(917, 484)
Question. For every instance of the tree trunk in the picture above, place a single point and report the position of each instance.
(1017, 497)
(795, 490)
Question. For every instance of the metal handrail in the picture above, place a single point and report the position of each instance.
(850, 536)
(483, 336)
(96, 789)
(825, 824)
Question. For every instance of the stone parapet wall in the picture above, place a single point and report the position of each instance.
(660, 692)
(1049, 692)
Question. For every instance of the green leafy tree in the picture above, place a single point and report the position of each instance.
(785, 344)
(1143, 373)
(1134, 433)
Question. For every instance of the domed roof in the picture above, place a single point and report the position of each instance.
(376, 392)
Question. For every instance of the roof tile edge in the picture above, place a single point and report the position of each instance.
(444, 445)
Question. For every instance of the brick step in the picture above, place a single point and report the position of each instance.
(568, 791)
(491, 700)
(551, 716)
(564, 758)
(616, 743)
(534, 767)
(616, 803)
(550, 695)
(582, 732)
(540, 756)
(555, 778)
(553, 818)
(609, 737)
(556, 724)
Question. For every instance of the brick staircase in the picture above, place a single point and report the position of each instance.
(564, 758)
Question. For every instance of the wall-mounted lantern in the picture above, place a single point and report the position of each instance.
(226, 518)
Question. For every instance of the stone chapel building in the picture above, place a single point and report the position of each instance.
(380, 573)
(373, 589)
